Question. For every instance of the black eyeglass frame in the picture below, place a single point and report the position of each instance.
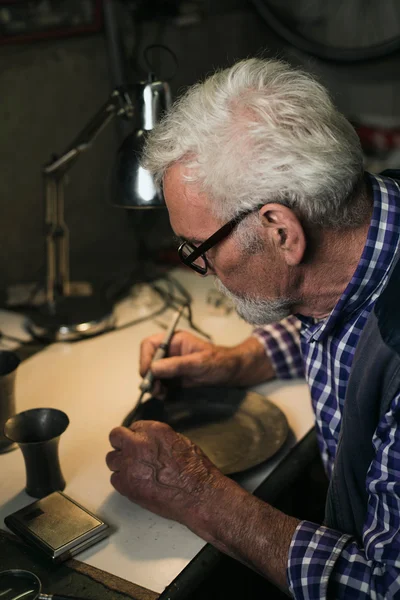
(213, 240)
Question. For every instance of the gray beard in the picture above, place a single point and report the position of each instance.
(255, 311)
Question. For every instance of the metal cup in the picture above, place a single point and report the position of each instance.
(37, 432)
(9, 362)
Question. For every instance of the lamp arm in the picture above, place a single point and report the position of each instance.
(57, 234)
(119, 103)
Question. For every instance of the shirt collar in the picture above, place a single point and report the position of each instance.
(375, 262)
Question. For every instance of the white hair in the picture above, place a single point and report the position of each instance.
(259, 132)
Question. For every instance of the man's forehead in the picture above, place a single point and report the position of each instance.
(181, 192)
(189, 209)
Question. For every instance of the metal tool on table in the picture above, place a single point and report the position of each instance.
(18, 584)
(161, 352)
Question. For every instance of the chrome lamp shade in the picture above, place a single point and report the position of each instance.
(132, 186)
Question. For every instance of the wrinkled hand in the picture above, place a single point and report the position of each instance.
(197, 362)
(163, 471)
(166, 473)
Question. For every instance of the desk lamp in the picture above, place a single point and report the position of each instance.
(68, 313)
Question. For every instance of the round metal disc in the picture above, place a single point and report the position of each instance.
(236, 429)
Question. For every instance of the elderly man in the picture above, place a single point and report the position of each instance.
(264, 183)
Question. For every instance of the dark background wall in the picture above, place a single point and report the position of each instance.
(49, 90)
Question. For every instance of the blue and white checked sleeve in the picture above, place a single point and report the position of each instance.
(324, 564)
(282, 346)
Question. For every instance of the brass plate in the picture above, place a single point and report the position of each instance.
(237, 429)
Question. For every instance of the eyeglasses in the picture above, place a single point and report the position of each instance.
(195, 257)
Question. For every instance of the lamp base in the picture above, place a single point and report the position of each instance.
(73, 318)
(33, 295)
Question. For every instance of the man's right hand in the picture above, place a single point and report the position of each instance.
(200, 363)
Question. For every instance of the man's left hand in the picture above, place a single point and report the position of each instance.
(164, 472)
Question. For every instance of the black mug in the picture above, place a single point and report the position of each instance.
(37, 432)
(9, 362)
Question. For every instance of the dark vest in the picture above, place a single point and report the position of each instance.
(373, 383)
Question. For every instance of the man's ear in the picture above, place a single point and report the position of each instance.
(285, 232)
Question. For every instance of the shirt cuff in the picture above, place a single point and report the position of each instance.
(314, 550)
(282, 345)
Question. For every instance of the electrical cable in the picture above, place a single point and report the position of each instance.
(152, 315)
(169, 300)
(160, 47)
(188, 299)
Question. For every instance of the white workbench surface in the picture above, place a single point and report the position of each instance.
(96, 383)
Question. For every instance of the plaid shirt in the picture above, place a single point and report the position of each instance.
(322, 562)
